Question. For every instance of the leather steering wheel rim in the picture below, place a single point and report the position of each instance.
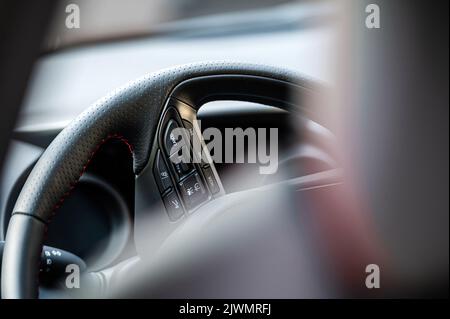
(131, 114)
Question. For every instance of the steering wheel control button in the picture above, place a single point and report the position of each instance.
(172, 141)
(173, 206)
(211, 180)
(181, 163)
(161, 173)
(193, 191)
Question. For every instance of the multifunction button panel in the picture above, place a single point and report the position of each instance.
(185, 179)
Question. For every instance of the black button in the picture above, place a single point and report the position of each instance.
(161, 173)
(211, 180)
(172, 141)
(193, 191)
(173, 205)
(181, 162)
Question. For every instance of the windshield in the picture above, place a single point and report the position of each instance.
(105, 20)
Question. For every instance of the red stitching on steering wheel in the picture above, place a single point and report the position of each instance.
(75, 183)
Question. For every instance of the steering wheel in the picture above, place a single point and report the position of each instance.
(132, 114)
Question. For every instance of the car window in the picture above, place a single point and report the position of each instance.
(114, 19)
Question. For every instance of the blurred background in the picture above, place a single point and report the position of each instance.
(386, 108)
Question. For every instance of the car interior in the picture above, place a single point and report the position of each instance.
(93, 175)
